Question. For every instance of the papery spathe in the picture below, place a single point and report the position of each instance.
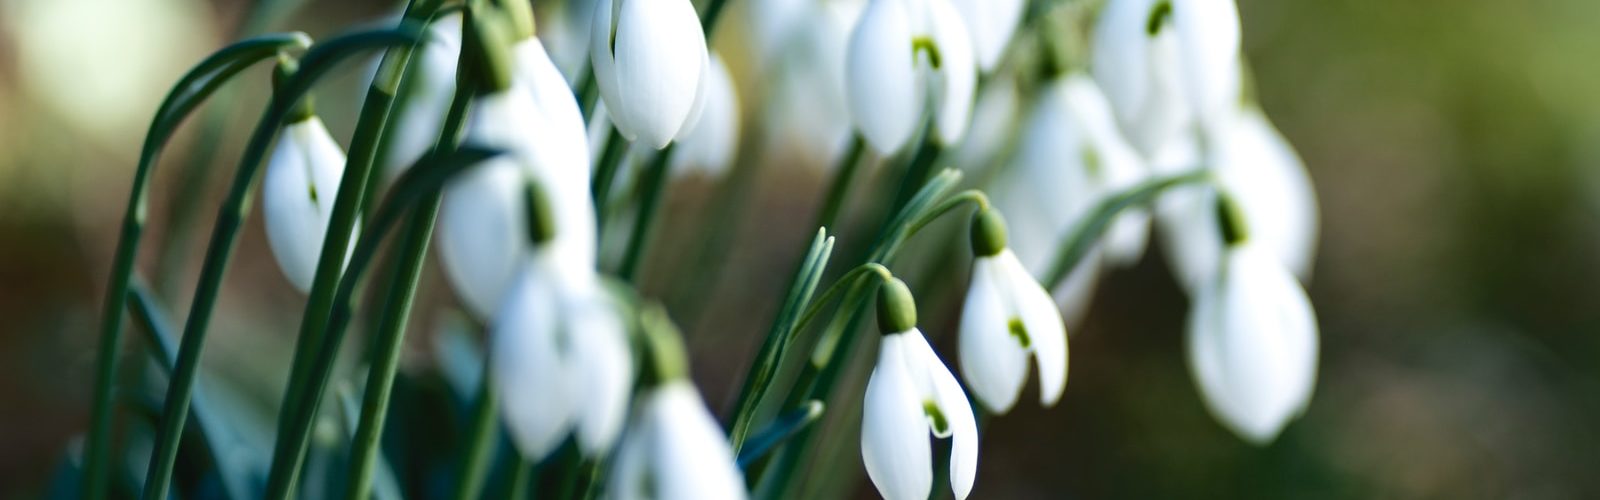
(297, 196)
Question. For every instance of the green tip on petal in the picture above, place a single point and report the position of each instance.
(1231, 220)
(936, 418)
(1158, 18)
(897, 310)
(988, 232)
(1020, 332)
(541, 223)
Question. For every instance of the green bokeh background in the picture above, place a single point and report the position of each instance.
(1454, 145)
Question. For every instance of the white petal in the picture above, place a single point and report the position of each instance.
(880, 79)
(1270, 183)
(1044, 324)
(894, 431)
(953, 404)
(958, 73)
(660, 51)
(630, 474)
(603, 60)
(993, 362)
(1117, 166)
(994, 125)
(1208, 43)
(554, 148)
(1254, 346)
(527, 367)
(692, 459)
(992, 23)
(603, 367)
(482, 227)
(298, 192)
(1140, 73)
(708, 146)
(432, 86)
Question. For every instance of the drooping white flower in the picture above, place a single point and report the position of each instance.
(1253, 343)
(560, 359)
(674, 450)
(483, 220)
(889, 78)
(430, 88)
(1167, 65)
(1113, 164)
(1008, 317)
(297, 197)
(910, 395)
(709, 144)
(648, 58)
(992, 24)
(806, 107)
(1268, 180)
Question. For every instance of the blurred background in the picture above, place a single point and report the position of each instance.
(1454, 146)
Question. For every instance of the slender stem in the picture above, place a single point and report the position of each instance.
(921, 165)
(758, 379)
(347, 206)
(655, 180)
(200, 83)
(1078, 243)
(972, 196)
(480, 438)
(843, 177)
(520, 473)
(605, 173)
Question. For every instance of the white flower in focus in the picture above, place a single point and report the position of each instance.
(560, 360)
(431, 87)
(891, 70)
(992, 24)
(674, 450)
(483, 227)
(1008, 316)
(1167, 65)
(648, 58)
(710, 141)
(297, 195)
(1269, 182)
(910, 395)
(1253, 344)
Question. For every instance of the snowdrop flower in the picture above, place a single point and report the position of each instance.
(1252, 338)
(673, 448)
(431, 87)
(909, 395)
(560, 359)
(887, 83)
(1068, 159)
(1167, 65)
(649, 58)
(1260, 169)
(992, 24)
(994, 126)
(1007, 318)
(807, 107)
(297, 194)
(710, 142)
(532, 114)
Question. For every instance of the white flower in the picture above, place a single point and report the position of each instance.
(1068, 159)
(431, 87)
(297, 197)
(1253, 344)
(674, 450)
(1007, 318)
(992, 23)
(483, 228)
(884, 88)
(1264, 175)
(807, 105)
(560, 359)
(1167, 65)
(911, 394)
(994, 126)
(710, 142)
(648, 60)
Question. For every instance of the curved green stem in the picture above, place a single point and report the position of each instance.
(972, 196)
(419, 189)
(190, 91)
(480, 440)
(316, 63)
(655, 181)
(1081, 240)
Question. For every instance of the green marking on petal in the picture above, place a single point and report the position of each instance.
(926, 44)
(941, 425)
(1019, 331)
(1158, 18)
(1091, 161)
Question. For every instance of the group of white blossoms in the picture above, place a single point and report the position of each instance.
(1162, 96)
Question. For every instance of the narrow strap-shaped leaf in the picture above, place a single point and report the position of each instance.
(780, 430)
